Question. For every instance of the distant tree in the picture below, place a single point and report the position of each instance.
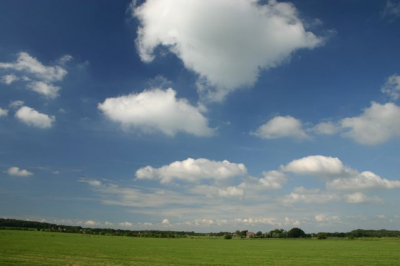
(321, 236)
(243, 233)
(296, 233)
(228, 236)
(259, 234)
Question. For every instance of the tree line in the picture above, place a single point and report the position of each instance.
(15, 224)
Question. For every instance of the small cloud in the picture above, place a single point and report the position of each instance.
(32, 117)
(9, 79)
(15, 171)
(91, 223)
(92, 182)
(3, 112)
(16, 104)
(392, 87)
(326, 128)
(65, 59)
(282, 127)
(125, 224)
(391, 11)
(359, 197)
(156, 110)
(165, 222)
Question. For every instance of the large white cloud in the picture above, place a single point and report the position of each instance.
(318, 165)
(31, 65)
(363, 181)
(32, 117)
(156, 110)
(193, 170)
(225, 42)
(375, 125)
(16, 171)
(281, 127)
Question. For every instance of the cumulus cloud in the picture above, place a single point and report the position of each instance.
(8, 79)
(38, 77)
(392, 85)
(231, 192)
(165, 222)
(156, 110)
(46, 89)
(31, 65)
(32, 117)
(225, 52)
(359, 197)
(192, 170)
(3, 112)
(281, 127)
(318, 165)
(15, 171)
(363, 181)
(302, 195)
(377, 124)
(273, 180)
(326, 128)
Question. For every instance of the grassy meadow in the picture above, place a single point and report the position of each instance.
(47, 248)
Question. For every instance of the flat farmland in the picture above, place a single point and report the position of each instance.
(47, 248)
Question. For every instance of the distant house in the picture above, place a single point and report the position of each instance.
(250, 234)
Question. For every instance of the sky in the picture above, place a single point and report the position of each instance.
(201, 115)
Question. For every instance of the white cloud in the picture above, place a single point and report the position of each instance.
(32, 117)
(359, 197)
(281, 127)
(231, 192)
(302, 195)
(363, 181)
(325, 219)
(65, 59)
(3, 112)
(16, 104)
(46, 89)
(15, 171)
(8, 79)
(273, 179)
(391, 10)
(193, 170)
(156, 110)
(225, 52)
(31, 65)
(126, 224)
(392, 85)
(165, 222)
(91, 223)
(92, 182)
(317, 165)
(377, 124)
(326, 128)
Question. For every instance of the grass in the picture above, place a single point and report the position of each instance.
(46, 248)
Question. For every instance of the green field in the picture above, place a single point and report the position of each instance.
(46, 248)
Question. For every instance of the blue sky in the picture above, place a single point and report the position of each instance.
(201, 115)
